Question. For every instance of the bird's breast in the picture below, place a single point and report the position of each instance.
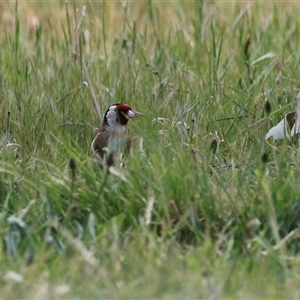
(117, 140)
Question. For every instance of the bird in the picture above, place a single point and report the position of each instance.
(112, 135)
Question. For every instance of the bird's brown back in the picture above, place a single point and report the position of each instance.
(100, 141)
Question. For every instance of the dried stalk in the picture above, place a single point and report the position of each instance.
(83, 64)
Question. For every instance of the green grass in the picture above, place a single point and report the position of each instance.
(179, 221)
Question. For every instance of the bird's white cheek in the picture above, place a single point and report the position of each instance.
(111, 115)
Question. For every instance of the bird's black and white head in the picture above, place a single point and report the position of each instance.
(118, 115)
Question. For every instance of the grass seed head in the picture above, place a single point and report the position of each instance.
(268, 107)
(214, 145)
(110, 159)
(265, 157)
(246, 49)
(72, 165)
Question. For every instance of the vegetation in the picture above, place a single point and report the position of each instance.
(206, 207)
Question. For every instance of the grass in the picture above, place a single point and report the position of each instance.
(209, 212)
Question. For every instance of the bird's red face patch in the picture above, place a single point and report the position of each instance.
(123, 107)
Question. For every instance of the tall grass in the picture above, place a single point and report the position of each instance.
(206, 210)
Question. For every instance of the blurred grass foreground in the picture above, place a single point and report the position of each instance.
(206, 207)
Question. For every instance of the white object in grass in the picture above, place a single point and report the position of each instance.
(288, 126)
(277, 132)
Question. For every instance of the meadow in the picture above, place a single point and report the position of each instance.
(206, 207)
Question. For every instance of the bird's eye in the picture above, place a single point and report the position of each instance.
(124, 113)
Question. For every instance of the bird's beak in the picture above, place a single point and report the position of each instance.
(134, 114)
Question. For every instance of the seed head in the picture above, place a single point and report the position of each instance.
(246, 49)
(265, 157)
(268, 107)
(214, 145)
(110, 159)
(72, 164)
